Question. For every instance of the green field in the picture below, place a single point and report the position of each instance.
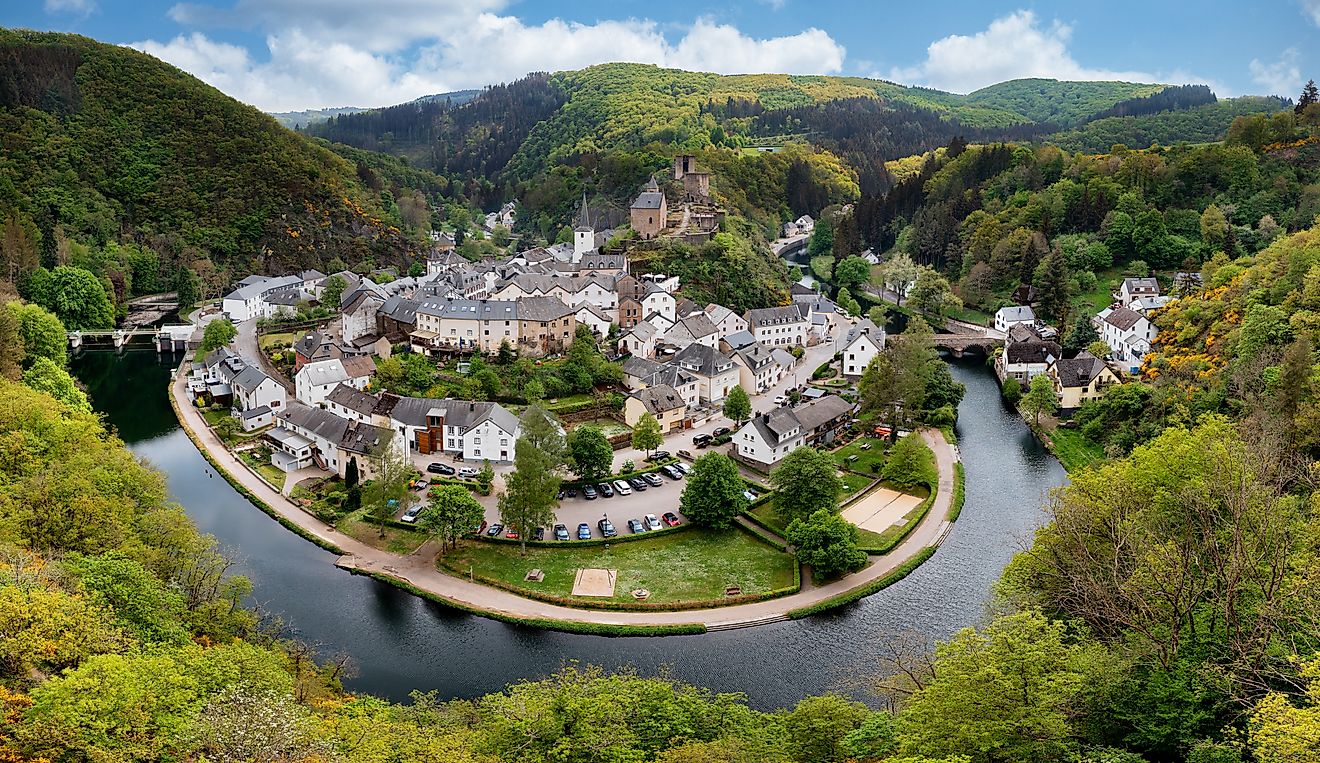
(696, 565)
(396, 540)
(281, 337)
(869, 461)
(1074, 450)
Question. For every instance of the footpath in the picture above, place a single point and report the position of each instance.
(417, 572)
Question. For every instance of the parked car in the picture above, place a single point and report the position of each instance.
(637, 483)
(481, 528)
(659, 455)
(589, 492)
(652, 523)
(584, 531)
(512, 532)
(410, 516)
(672, 472)
(653, 479)
(561, 532)
(670, 518)
(781, 401)
(749, 495)
(701, 440)
(571, 492)
(495, 530)
(538, 533)
(606, 528)
(682, 467)
(606, 490)
(721, 431)
(635, 526)
(435, 467)
(622, 488)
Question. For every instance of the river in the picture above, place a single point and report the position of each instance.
(399, 643)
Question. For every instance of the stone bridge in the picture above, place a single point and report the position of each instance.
(957, 344)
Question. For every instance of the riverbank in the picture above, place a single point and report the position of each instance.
(417, 572)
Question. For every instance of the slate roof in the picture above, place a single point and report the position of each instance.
(648, 200)
(1016, 313)
(1134, 285)
(400, 309)
(1123, 318)
(414, 411)
(755, 356)
(644, 331)
(1032, 351)
(703, 360)
(1021, 332)
(774, 316)
(353, 399)
(322, 423)
(866, 327)
(817, 413)
(363, 438)
(740, 339)
(1079, 371)
(660, 399)
(699, 325)
(249, 379)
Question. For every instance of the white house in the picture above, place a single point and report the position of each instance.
(254, 390)
(1007, 317)
(592, 316)
(1136, 288)
(758, 368)
(716, 372)
(1025, 361)
(725, 320)
(1128, 334)
(657, 300)
(358, 311)
(767, 438)
(694, 329)
(314, 381)
(779, 326)
(247, 301)
(862, 344)
(639, 340)
(477, 431)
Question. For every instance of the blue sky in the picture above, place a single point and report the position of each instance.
(292, 54)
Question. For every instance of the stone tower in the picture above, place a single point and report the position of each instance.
(584, 236)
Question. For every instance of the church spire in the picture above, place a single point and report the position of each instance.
(584, 223)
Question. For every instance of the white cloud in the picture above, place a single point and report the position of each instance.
(1282, 77)
(76, 7)
(1013, 46)
(316, 61)
(1312, 9)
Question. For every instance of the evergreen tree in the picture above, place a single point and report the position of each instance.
(189, 289)
(1052, 284)
(1309, 96)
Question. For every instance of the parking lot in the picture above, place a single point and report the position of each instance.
(619, 509)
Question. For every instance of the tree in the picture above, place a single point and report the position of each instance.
(827, 543)
(1052, 284)
(332, 290)
(506, 355)
(1214, 229)
(453, 512)
(590, 453)
(1099, 348)
(878, 315)
(852, 272)
(78, 298)
(533, 391)
(42, 334)
(11, 347)
(1081, 335)
(47, 377)
(817, 727)
(351, 475)
(846, 301)
(1040, 398)
(932, 293)
(387, 493)
(713, 495)
(485, 477)
(821, 240)
(899, 274)
(530, 493)
(1012, 390)
(894, 383)
(217, 334)
(646, 434)
(911, 463)
(737, 405)
(1310, 94)
(807, 481)
(188, 287)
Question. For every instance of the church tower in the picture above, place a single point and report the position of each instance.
(584, 236)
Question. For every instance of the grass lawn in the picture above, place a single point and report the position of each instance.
(283, 337)
(866, 459)
(1097, 299)
(1074, 450)
(607, 427)
(695, 565)
(215, 417)
(854, 483)
(396, 541)
(266, 469)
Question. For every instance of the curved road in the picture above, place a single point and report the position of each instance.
(419, 570)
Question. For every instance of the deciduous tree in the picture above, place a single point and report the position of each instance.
(646, 434)
(332, 290)
(589, 453)
(827, 543)
(217, 334)
(387, 493)
(452, 513)
(737, 405)
(530, 492)
(713, 495)
(1040, 398)
(807, 481)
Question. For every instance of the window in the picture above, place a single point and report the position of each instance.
(476, 440)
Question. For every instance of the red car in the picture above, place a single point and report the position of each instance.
(481, 528)
(512, 532)
(670, 518)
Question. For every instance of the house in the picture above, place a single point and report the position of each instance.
(535, 325)
(396, 319)
(800, 227)
(313, 383)
(1128, 334)
(662, 401)
(282, 304)
(640, 373)
(320, 432)
(656, 300)
(1025, 294)
(778, 326)
(694, 329)
(253, 389)
(1007, 317)
(1025, 360)
(767, 438)
(802, 293)
(358, 310)
(474, 431)
(725, 320)
(736, 341)
(648, 211)
(1079, 380)
(290, 451)
(860, 347)
(1148, 305)
(248, 300)
(313, 347)
(758, 369)
(218, 367)
(1135, 288)
(639, 340)
(595, 318)
(352, 403)
(716, 372)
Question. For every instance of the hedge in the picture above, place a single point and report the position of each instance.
(848, 597)
(565, 626)
(959, 491)
(923, 510)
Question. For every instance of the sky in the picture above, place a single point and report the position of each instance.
(283, 55)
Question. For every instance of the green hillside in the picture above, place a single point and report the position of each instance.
(1056, 102)
(1201, 124)
(103, 144)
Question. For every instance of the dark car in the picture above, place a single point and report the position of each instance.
(435, 467)
(495, 530)
(635, 526)
(670, 518)
(538, 533)
(672, 472)
(720, 431)
(653, 479)
(701, 440)
(571, 492)
(659, 455)
(589, 492)
(637, 483)
(584, 531)
(561, 532)
(606, 490)
(607, 528)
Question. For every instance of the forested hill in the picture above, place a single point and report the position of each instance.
(104, 146)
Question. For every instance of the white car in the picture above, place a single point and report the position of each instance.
(652, 522)
(622, 487)
(410, 516)
(683, 467)
(781, 401)
(468, 471)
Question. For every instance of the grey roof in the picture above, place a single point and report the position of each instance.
(660, 399)
(819, 412)
(865, 327)
(249, 379)
(313, 275)
(1079, 371)
(470, 309)
(703, 360)
(288, 438)
(320, 422)
(255, 286)
(594, 310)
(1017, 313)
(772, 316)
(400, 309)
(800, 289)
(414, 411)
(698, 325)
(363, 438)
(740, 339)
(755, 356)
(1021, 332)
(645, 331)
(288, 298)
(1032, 351)
(1123, 318)
(775, 425)
(543, 309)
(1141, 284)
(353, 399)
(648, 200)
(717, 313)
(252, 413)
(640, 367)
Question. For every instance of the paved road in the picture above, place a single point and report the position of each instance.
(418, 568)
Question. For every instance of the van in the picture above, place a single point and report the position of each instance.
(622, 487)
